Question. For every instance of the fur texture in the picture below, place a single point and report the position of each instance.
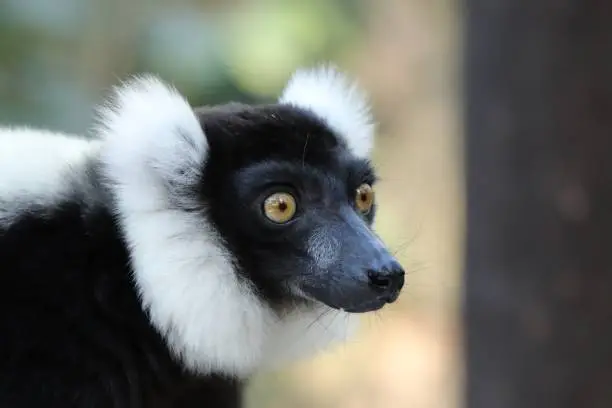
(336, 100)
(34, 167)
(137, 268)
(153, 156)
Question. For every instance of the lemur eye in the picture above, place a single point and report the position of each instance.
(364, 198)
(280, 207)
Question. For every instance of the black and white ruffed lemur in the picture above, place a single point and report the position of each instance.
(179, 250)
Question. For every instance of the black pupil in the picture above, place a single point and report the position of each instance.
(282, 206)
(364, 197)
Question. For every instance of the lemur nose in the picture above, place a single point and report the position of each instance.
(387, 281)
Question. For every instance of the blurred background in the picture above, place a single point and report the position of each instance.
(59, 58)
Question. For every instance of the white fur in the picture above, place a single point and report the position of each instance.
(332, 97)
(37, 167)
(153, 148)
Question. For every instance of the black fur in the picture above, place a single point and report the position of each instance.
(72, 331)
(255, 151)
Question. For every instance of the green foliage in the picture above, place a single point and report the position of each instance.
(58, 58)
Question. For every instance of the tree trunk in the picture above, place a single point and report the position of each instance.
(538, 297)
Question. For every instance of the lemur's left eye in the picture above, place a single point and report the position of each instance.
(280, 207)
(364, 198)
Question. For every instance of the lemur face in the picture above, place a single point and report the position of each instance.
(295, 207)
(247, 224)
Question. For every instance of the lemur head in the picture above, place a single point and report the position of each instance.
(241, 219)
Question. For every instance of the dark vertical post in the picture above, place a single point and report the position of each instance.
(538, 292)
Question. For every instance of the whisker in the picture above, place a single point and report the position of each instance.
(304, 152)
(310, 326)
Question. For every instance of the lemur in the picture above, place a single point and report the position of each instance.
(177, 251)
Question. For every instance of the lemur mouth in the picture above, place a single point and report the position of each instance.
(369, 306)
(357, 304)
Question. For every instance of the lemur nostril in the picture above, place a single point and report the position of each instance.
(387, 282)
(378, 280)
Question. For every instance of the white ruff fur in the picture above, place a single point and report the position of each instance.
(37, 167)
(335, 99)
(153, 150)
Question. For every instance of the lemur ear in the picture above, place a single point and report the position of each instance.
(337, 100)
(151, 136)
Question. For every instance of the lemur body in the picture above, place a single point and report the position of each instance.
(179, 251)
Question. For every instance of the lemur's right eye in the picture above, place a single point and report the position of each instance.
(364, 198)
(280, 207)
